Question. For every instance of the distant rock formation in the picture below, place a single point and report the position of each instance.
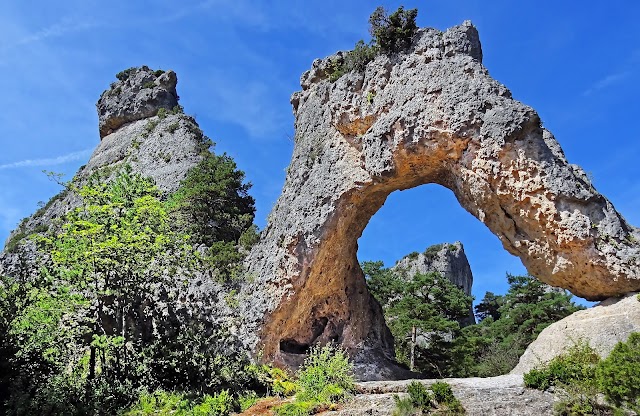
(430, 115)
(602, 326)
(447, 259)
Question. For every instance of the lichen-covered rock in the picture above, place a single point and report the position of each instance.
(602, 326)
(430, 115)
(447, 259)
(139, 93)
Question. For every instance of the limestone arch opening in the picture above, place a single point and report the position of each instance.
(414, 219)
(335, 304)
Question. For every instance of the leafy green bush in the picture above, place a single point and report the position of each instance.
(574, 373)
(360, 56)
(171, 128)
(393, 32)
(404, 407)
(247, 399)
(297, 408)
(443, 395)
(419, 395)
(326, 377)
(579, 399)
(161, 402)
(619, 374)
(578, 364)
(420, 401)
(123, 75)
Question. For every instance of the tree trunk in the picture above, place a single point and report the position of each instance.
(413, 348)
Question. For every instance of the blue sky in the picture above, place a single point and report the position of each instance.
(239, 61)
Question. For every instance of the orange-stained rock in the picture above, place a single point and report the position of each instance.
(431, 115)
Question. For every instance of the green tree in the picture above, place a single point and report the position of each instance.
(214, 208)
(495, 345)
(103, 320)
(423, 313)
(393, 32)
(489, 306)
(212, 203)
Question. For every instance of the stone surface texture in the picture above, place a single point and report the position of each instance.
(447, 259)
(430, 115)
(499, 396)
(138, 94)
(602, 326)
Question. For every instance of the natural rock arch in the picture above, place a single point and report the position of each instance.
(432, 115)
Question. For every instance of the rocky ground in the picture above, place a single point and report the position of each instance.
(502, 395)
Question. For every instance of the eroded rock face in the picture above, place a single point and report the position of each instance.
(447, 259)
(432, 115)
(138, 94)
(602, 326)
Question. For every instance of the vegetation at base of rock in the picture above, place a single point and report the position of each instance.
(440, 401)
(508, 323)
(581, 377)
(325, 378)
(391, 33)
(103, 323)
(619, 374)
(419, 395)
(161, 402)
(578, 364)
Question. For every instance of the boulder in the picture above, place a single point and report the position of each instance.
(139, 93)
(602, 326)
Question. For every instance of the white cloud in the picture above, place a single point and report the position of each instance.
(66, 25)
(606, 82)
(59, 160)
